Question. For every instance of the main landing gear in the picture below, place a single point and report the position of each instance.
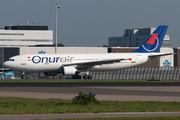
(79, 77)
(87, 77)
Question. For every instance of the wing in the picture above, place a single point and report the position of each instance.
(84, 65)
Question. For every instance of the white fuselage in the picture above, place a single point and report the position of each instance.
(54, 62)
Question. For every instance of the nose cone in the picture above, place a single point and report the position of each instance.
(9, 64)
(5, 64)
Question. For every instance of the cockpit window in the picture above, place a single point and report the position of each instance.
(11, 59)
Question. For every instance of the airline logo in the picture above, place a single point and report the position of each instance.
(166, 63)
(39, 59)
(42, 52)
(152, 43)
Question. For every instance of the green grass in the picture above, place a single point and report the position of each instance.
(83, 81)
(129, 118)
(10, 105)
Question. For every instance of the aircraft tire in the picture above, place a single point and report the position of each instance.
(85, 77)
(90, 77)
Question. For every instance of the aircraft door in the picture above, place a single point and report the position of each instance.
(23, 60)
(133, 59)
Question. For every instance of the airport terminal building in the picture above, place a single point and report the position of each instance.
(25, 35)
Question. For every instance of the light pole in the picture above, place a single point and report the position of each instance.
(56, 6)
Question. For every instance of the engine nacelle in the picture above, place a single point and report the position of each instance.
(69, 70)
(50, 73)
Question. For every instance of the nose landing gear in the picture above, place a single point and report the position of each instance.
(23, 75)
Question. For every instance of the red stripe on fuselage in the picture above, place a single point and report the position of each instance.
(152, 39)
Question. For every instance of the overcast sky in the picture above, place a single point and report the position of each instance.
(91, 22)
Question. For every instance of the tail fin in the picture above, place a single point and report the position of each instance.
(154, 42)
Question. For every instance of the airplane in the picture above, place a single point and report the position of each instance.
(74, 64)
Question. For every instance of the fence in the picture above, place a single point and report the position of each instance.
(134, 73)
(139, 73)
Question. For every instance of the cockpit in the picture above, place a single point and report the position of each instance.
(11, 60)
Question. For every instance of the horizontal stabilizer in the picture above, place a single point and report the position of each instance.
(152, 57)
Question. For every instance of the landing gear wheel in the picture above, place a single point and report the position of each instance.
(89, 77)
(85, 77)
(23, 77)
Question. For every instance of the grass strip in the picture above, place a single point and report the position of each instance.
(128, 118)
(84, 81)
(10, 105)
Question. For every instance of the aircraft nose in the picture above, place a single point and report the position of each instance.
(5, 64)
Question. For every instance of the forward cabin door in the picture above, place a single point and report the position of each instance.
(23, 60)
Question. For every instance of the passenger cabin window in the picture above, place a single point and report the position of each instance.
(11, 59)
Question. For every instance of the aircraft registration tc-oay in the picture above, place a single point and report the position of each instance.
(74, 64)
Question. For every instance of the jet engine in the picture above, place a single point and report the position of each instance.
(69, 70)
